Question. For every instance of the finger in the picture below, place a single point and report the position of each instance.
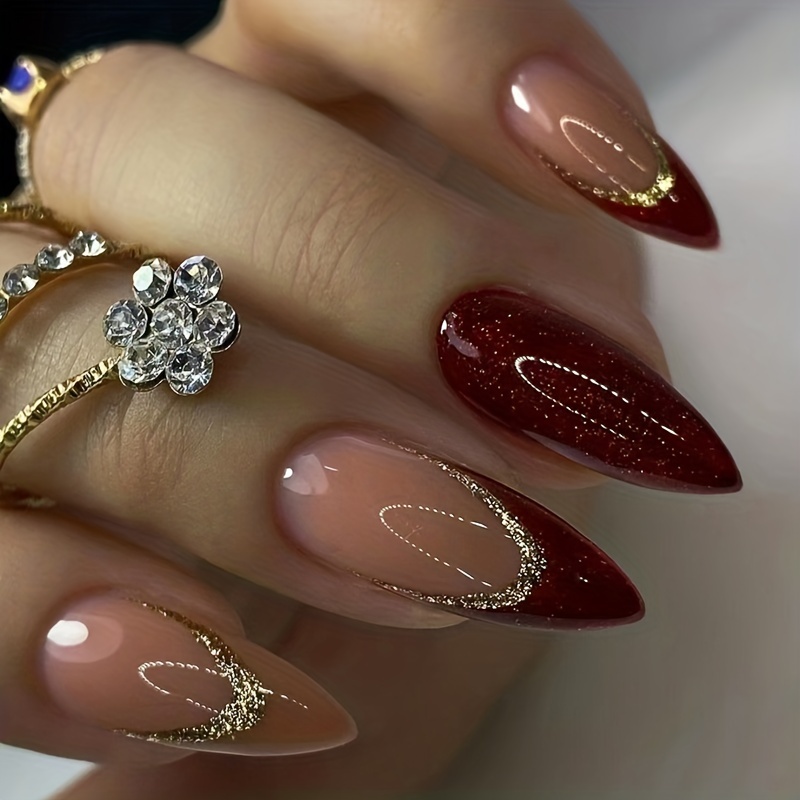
(227, 42)
(418, 700)
(515, 87)
(301, 474)
(314, 225)
(108, 653)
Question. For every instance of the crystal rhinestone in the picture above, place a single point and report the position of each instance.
(173, 323)
(190, 368)
(54, 258)
(152, 280)
(21, 279)
(198, 280)
(125, 322)
(143, 363)
(19, 79)
(3, 307)
(88, 244)
(216, 324)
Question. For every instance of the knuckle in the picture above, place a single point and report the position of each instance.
(318, 242)
(80, 156)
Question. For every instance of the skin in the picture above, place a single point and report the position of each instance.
(318, 271)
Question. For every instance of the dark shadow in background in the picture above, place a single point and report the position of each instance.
(57, 29)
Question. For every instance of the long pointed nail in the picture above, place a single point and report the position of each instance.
(153, 674)
(604, 152)
(444, 535)
(553, 379)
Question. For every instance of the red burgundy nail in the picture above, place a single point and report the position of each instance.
(549, 377)
(569, 123)
(579, 587)
(684, 216)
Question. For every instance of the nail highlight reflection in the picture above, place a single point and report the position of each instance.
(532, 562)
(153, 674)
(553, 379)
(604, 152)
(441, 534)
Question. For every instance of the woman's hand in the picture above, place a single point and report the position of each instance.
(388, 290)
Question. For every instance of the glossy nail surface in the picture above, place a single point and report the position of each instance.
(549, 377)
(152, 674)
(605, 153)
(441, 534)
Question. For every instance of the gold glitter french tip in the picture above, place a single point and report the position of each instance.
(601, 150)
(441, 534)
(150, 673)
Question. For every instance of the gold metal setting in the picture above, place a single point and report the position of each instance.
(57, 398)
(248, 701)
(18, 209)
(25, 108)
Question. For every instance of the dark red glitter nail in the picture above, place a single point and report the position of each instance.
(549, 377)
(684, 216)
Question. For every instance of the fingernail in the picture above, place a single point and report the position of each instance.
(441, 534)
(549, 377)
(152, 674)
(604, 152)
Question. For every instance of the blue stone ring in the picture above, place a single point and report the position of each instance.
(23, 99)
(169, 330)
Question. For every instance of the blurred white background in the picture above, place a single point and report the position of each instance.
(701, 701)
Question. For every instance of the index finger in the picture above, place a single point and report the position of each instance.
(361, 257)
(519, 88)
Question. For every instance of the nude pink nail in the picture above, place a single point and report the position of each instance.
(564, 120)
(442, 534)
(153, 674)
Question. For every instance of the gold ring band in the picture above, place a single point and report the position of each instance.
(84, 250)
(30, 88)
(12, 433)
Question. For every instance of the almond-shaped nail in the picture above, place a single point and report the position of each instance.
(441, 534)
(153, 674)
(549, 377)
(602, 150)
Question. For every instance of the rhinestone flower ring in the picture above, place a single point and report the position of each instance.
(170, 330)
(173, 327)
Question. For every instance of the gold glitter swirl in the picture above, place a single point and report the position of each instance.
(246, 707)
(532, 560)
(661, 187)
